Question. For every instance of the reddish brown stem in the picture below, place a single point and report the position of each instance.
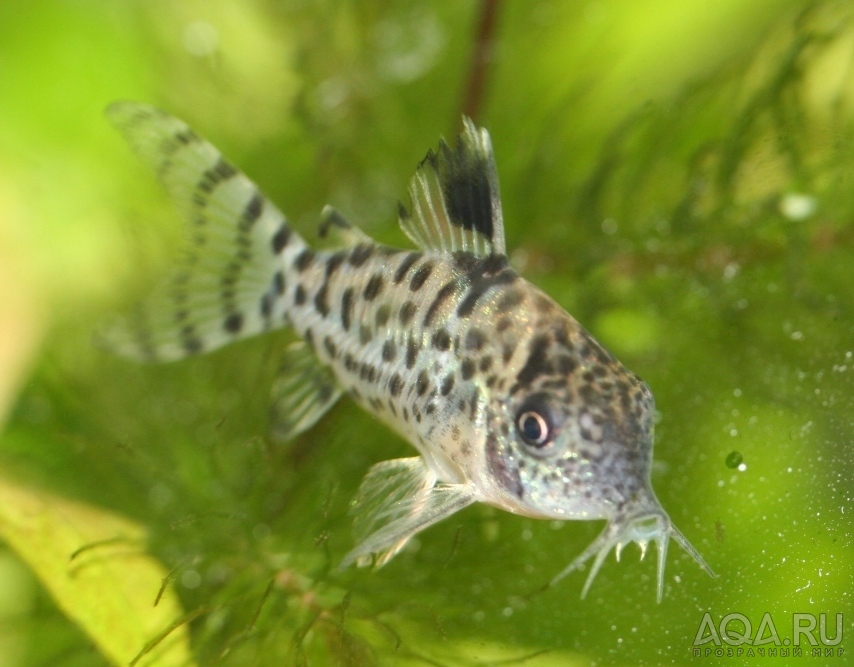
(481, 58)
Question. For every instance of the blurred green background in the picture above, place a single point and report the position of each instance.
(677, 175)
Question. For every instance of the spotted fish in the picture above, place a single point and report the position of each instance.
(506, 398)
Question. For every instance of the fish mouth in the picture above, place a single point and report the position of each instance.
(641, 522)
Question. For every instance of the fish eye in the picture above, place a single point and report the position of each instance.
(533, 428)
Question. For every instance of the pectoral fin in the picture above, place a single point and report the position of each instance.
(304, 391)
(396, 500)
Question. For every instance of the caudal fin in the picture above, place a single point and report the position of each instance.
(230, 280)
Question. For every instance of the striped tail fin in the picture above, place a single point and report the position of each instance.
(231, 280)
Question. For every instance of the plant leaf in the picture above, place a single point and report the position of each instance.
(94, 565)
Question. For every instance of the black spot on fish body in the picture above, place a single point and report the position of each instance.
(537, 363)
(350, 363)
(467, 369)
(334, 261)
(389, 350)
(441, 340)
(420, 276)
(422, 383)
(475, 338)
(304, 260)
(507, 350)
(329, 344)
(365, 335)
(404, 267)
(441, 296)
(299, 295)
(371, 373)
(280, 239)
(474, 401)
(395, 385)
(374, 287)
(465, 262)
(320, 300)
(447, 384)
(492, 266)
(407, 311)
(360, 254)
(510, 299)
(479, 288)
(411, 352)
(347, 308)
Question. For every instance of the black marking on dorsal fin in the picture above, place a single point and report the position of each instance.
(455, 201)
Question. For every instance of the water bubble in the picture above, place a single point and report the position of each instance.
(191, 579)
(797, 206)
(733, 460)
(200, 38)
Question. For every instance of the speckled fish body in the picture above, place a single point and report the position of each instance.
(508, 400)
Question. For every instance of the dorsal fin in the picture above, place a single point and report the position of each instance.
(455, 203)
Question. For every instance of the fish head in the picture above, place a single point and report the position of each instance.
(572, 439)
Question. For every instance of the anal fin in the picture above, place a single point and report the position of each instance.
(396, 500)
(304, 391)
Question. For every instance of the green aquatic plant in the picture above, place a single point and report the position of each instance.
(679, 182)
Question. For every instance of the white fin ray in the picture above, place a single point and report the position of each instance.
(396, 500)
(455, 200)
(228, 279)
(304, 391)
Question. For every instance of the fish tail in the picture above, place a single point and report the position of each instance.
(231, 280)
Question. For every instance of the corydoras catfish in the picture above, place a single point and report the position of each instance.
(506, 398)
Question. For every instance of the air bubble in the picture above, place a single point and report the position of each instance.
(733, 460)
(191, 579)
